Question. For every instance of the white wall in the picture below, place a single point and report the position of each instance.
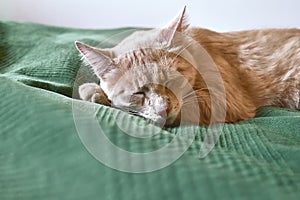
(221, 15)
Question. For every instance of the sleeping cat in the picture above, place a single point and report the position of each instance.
(258, 68)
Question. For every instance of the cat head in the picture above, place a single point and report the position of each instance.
(140, 74)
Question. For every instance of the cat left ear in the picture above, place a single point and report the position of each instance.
(179, 24)
(99, 59)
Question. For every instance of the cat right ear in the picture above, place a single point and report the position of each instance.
(179, 24)
(99, 59)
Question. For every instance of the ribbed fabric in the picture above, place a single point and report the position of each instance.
(42, 156)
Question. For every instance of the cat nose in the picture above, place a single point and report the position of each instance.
(163, 113)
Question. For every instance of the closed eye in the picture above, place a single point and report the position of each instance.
(137, 98)
(141, 94)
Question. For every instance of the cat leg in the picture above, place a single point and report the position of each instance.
(93, 93)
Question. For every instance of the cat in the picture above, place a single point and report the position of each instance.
(258, 68)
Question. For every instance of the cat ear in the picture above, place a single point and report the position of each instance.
(179, 24)
(99, 59)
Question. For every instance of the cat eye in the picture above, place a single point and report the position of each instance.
(141, 94)
(138, 98)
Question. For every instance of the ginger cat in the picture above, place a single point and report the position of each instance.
(258, 68)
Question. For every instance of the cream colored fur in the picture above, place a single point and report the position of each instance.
(258, 68)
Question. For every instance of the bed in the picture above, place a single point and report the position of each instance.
(42, 156)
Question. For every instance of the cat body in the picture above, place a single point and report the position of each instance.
(258, 68)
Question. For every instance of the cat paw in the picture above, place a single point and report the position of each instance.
(93, 93)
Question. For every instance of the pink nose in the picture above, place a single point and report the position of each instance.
(163, 113)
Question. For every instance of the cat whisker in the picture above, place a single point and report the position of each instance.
(194, 92)
(196, 100)
(182, 49)
(189, 102)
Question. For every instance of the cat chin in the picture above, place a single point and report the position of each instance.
(156, 120)
(165, 122)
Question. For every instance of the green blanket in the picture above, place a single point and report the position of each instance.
(42, 155)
